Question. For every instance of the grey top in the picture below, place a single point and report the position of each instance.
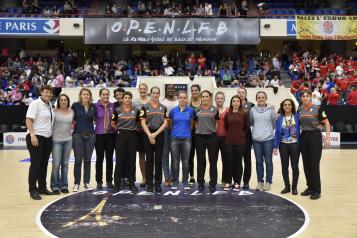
(154, 116)
(263, 121)
(62, 126)
(126, 120)
(311, 118)
(206, 120)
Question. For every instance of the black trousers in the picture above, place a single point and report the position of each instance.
(234, 159)
(125, 150)
(247, 157)
(208, 142)
(192, 153)
(154, 159)
(311, 150)
(104, 147)
(222, 148)
(39, 161)
(290, 152)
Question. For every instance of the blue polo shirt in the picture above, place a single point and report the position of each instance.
(181, 122)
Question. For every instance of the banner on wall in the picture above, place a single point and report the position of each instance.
(29, 26)
(171, 31)
(335, 138)
(327, 27)
(15, 139)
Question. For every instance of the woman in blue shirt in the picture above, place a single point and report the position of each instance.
(83, 137)
(287, 136)
(181, 118)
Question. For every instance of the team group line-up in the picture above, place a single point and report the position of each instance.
(175, 125)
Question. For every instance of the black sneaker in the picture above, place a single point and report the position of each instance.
(246, 186)
(64, 190)
(307, 192)
(212, 189)
(99, 185)
(158, 188)
(191, 183)
(149, 189)
(315, 196)
(294, 191)
(201, 187)
(35, 196)
(133, 188)
(56, 192)
(45, 192)
(285, 190)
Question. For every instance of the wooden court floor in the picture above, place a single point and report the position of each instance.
(334, 215)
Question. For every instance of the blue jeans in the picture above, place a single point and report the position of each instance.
(264, 151)
(60, 158)
(166, 155)
(180, 148)
(83, 146)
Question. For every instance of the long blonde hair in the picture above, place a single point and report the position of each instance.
(90, 96)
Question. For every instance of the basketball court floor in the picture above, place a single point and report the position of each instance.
(334, 215)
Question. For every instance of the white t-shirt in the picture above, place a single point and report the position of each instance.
(275, 83)
(170, 104)
(43, 117)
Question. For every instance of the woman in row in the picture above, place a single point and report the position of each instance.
(236, 123)
(263, 121)
(83, 137)
(170, 101)
(105, 138)
(181, 118)
(153, 121)
(124, 121)
(195, 103)
(62, 144)
(138, 103)
(206, 117)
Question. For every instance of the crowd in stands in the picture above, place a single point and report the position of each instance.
(21, 76)
(333, 79)
(179, 8)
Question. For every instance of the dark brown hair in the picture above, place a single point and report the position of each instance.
(58, 100)
(293, 108)
(46, 87)
(240, 109)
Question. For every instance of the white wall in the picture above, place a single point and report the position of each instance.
(206, 83)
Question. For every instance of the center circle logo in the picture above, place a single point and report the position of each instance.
(10, 139)
(51, 26)
(328, 27)
(180, 213)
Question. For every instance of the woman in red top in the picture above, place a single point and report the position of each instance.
(221, 131)
(236, 122)
(333, 98)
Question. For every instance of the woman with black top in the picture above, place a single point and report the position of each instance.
(194, 103)
(125, 119)
(312, 120)
(206, 139)
(118, 95)
(138, 103)
(287, 134)
(154, 117)
(83, 137)
(236, 123)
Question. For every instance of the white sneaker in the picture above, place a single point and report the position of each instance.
(86, 186)
(260, 186)
(267, 186)
(236, 187)
(76, 188)
(227, 187)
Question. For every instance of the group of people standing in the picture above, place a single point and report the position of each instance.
(175, 125)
